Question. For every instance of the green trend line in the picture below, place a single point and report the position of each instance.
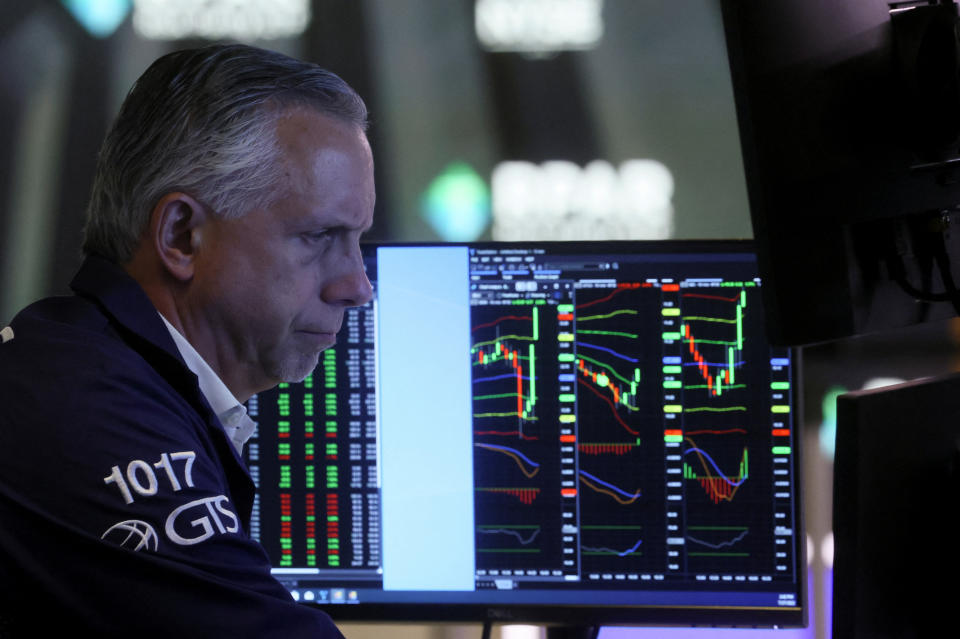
(493, 358)
(614, 333)
(500, 396)
(587, 318)
(709, 319)
(717, 341)
(714, 410)
(503, 338)
(512, 413)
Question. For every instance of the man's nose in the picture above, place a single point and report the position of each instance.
(351, 287)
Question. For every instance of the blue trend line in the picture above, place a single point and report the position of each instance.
(507, 376)
(612, 352)
(510, 450)
(632, 550)
(721, 544)
(613, 551)
(715, 467)
(610, 486)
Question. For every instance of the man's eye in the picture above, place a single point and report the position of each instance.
(317, 236)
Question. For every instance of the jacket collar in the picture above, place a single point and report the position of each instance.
(124, 300)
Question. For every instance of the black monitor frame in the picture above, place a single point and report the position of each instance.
(895, 510)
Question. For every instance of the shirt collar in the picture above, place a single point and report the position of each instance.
(231, 413)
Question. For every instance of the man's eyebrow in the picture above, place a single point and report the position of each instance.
(351, 227)
(325, 220)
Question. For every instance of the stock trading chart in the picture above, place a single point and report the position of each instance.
(631, 428)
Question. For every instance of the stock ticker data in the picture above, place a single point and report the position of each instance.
(624, 427)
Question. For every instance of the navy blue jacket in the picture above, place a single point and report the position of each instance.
(124, 508)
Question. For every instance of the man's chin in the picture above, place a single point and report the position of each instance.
(297, 370)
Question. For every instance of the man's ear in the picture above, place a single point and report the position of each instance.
(176, 227)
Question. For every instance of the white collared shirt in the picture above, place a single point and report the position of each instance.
(232, 414)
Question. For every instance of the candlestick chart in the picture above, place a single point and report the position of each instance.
(723, 365)
(712, 330)
(504, 362)
(515, 415)
(619, 477)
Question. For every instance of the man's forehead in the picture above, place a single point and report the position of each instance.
(332, 202)
(314, 143)
(300, 124)
(328, 170)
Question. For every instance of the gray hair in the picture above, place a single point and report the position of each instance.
(204, 122)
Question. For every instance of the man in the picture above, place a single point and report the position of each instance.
(222, 246)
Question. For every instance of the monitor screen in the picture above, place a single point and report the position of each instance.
(564, 432)
(895, 521)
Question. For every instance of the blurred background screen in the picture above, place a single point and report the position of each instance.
(494, 119)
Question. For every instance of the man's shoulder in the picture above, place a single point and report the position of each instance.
(50, 316)
(108, 310)
(64, 338)
(58, 325)
(63, 358)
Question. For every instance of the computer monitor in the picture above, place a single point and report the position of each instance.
(560, 433)
(896, 513)
(849, 115)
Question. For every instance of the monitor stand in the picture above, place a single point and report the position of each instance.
(556, 632)
(573, 632)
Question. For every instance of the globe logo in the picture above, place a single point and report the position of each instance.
(133, 533)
